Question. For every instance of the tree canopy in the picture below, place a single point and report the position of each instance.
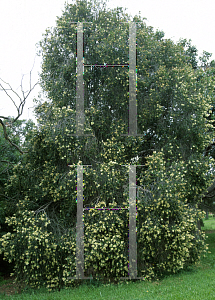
(175, 96)
(175, 116)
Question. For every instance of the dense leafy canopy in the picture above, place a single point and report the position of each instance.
(9, 157)
(175, 100)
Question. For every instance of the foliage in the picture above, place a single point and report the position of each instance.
(168, 239)
(169, 87)
(39, 257)
(174, 98)
(19, 133)
(168, 235)
(9, 156)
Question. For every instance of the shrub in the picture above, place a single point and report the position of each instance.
(40, 257)
(167, 235)
(106, 244)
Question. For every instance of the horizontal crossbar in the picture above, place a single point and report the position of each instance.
(119, 165)
(89, 208)
(127, 65)
(119, 22)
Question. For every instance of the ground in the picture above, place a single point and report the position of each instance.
(8, 287)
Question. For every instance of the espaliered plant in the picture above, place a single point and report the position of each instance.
(174, 99)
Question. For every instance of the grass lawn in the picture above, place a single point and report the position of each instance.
(209, 224)
(195, 284)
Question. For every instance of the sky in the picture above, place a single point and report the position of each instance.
(23, 22)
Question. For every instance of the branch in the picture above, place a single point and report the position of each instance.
(209, 147)
(211, 188)
(6, 161)
(22, 101)
(7, 168)
(18, 108)
(207, 196)
(6, 118)
(7, 196)
(9, 140)
(10, 89)
(42, 208)
(145, 190)
(210, 193)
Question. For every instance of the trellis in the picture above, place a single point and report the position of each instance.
(132, 131)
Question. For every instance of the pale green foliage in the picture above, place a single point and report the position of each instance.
(40, 258)
(106, 242)
(173, 99)
(167, 234)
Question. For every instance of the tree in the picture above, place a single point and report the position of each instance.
(13, 134)
(209, 196)
(7, 121)
(169, 83)
(174, 98)
(9, 157)
(13, 140)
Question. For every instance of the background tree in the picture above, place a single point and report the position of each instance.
(13, 132)
(7, 121)
(13, 141)
(9, 157)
